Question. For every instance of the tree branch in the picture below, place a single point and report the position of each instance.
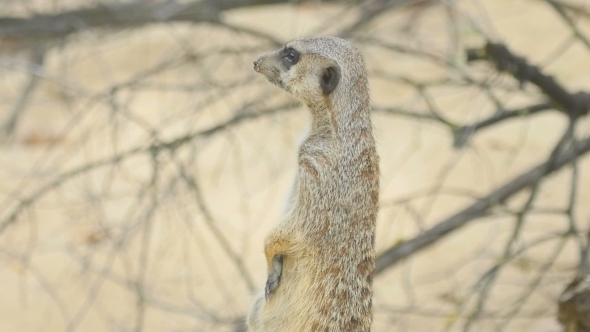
(134, 14)
(558, 8)
(573, 104)
(9, 127)
(462, 134)
(478, 209)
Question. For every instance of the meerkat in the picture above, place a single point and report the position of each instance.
(321, 256)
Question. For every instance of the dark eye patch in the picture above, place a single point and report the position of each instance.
(289, 57)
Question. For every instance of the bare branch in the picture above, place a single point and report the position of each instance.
(575, 105)
(560, 10)
(478, 209)
(116, 15)
(37, 59)
(462, 134)
(174, 144)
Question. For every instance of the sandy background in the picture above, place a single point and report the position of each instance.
(122, 247)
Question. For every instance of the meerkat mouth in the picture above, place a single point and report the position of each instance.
(274, 77)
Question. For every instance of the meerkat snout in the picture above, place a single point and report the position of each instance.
(257, 64)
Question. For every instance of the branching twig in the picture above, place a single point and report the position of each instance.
(478, 209)
(462, 134)
(37, 59)
(575, 105)
(174, 144)
(560, 10)
(125, 15)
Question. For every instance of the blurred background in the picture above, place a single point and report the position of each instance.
(143, 161)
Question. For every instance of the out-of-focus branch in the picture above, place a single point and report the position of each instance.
(580, 10)
(573, 104)
(478, 209)
(488, 280)
(374, 9)
(134, 14)
(241, 116)
(462, 134)
(9, 127)
(221, 238)
(564, 15)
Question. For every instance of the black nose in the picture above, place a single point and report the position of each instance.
(257, 63)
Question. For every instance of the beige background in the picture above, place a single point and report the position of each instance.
(86, 257)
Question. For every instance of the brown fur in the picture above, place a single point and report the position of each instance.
(327, 237)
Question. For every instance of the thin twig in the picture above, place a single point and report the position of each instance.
(395, 254)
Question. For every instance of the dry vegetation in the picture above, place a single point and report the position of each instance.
(142, 161)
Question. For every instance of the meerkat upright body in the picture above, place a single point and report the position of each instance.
(321, 256)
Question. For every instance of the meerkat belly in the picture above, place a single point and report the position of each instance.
(288, 309)
(316, 298)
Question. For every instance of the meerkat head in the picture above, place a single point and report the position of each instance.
(313, 69)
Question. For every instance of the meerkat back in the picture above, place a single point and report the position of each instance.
(320, 256)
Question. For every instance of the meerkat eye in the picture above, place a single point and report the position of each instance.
(289, 57)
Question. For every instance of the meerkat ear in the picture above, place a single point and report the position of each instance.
(329, 80)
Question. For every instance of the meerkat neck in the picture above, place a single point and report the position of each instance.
(339, 120)
(346, 122)
(321, 121)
